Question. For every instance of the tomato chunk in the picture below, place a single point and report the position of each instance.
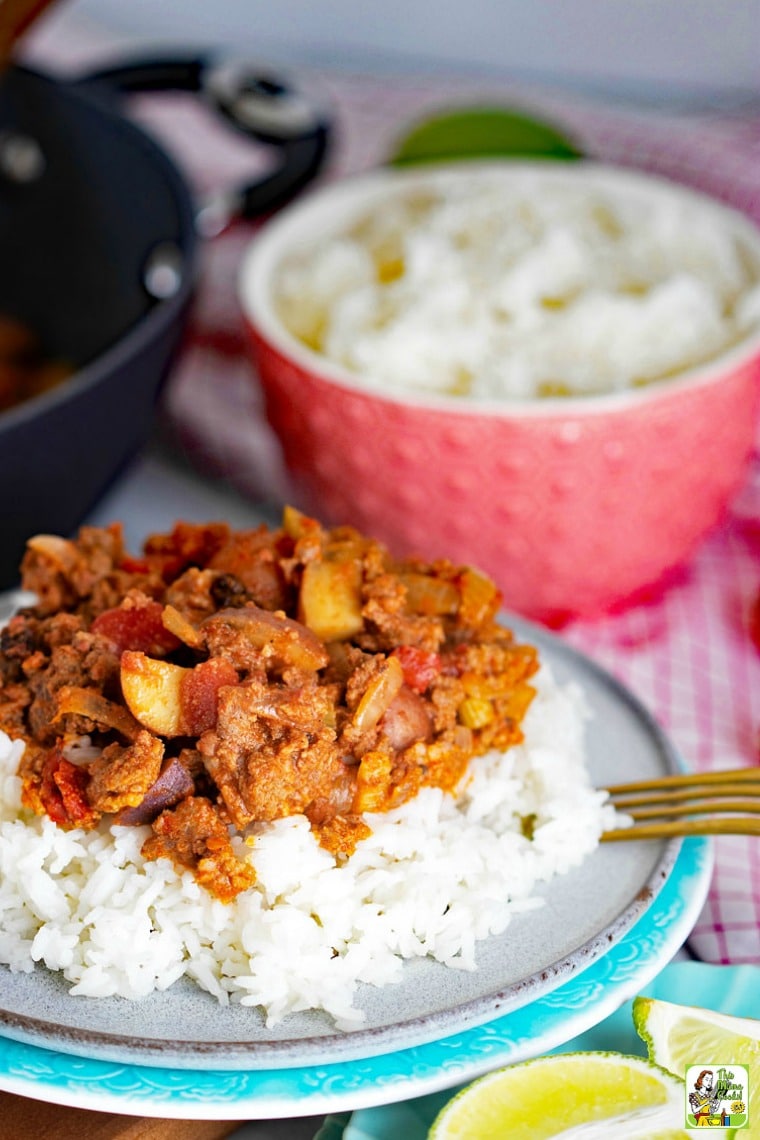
(63, 792)
(420, 666)
(199, 693)
(138, 626)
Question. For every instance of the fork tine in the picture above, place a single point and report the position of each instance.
(626, 800)
(751, 807)
(695, 803)
(736, 825)
(688, 780)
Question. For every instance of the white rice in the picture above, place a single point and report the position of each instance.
(434, 878)
(499, 287)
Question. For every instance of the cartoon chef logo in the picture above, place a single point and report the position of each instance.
(717, 1096)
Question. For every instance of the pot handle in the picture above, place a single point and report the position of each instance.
(256, 100)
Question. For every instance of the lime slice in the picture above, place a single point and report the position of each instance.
(583, 1096)
(680, 1037)
(482, 132)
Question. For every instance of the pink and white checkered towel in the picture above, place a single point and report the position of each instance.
(689, 656)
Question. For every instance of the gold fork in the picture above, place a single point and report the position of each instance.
(706, 803)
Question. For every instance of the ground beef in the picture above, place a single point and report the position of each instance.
(220, 679)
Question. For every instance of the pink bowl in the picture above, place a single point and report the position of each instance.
(574, 505)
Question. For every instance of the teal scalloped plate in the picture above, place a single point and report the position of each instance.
(583, 1001)
(729, 989)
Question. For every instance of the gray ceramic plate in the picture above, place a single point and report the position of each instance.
(586, 912)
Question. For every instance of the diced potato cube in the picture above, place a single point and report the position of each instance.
(330, 599)
(430, 596)
(152, 690)
(480, 598)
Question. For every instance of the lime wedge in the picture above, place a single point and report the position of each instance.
(482, 132)
(677, 1036)
(586, 1096)
(682, 1037)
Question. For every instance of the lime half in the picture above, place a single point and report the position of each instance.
(579, 1096)
(482, 132)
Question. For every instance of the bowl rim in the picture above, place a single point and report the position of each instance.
(163, 313)
(332, 205)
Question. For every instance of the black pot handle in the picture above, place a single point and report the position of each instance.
(256, 100)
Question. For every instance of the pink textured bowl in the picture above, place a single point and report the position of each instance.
(574, 505)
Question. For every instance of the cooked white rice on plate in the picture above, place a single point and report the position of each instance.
(434, 878)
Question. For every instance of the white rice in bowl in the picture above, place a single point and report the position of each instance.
(512, 284)
(433, 878)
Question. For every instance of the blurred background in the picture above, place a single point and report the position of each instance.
(670, 86)
(639, 49)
